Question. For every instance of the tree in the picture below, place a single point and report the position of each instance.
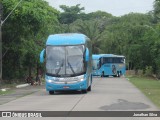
(70, 14)
(124, 35)
(152, 43)
(34, 21)
(99, 15)
(91, 29)
(156, 10)
(91, 24)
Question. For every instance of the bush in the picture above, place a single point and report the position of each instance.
(158, 73)
(148, 71)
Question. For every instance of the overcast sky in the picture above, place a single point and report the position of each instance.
(115, 7)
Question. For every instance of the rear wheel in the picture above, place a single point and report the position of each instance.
(118, 74)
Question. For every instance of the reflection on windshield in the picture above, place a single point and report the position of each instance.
(65, 60)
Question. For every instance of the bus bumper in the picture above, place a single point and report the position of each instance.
(82, 85)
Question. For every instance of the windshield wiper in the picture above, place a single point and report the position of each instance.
(71, 67)
(60, 68)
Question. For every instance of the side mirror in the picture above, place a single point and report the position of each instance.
(42, 56)
(87, 55)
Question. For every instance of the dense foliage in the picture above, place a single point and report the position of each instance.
(134, 35)
(24, 34)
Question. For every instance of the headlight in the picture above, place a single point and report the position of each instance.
(49, 81)
(81, 78)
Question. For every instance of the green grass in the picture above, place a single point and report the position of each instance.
(8, 85)
(149, 86)
(5, 92)
(9, 88)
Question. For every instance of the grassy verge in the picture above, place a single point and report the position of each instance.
(149, 86)
(5, 92)
(6, 88)
(8, 85)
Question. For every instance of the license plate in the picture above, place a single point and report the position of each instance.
(65, 87)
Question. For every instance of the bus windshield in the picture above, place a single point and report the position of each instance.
(65, 60)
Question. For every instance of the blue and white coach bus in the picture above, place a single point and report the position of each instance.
(111, 65)
(68, 61)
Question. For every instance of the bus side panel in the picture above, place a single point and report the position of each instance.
(89, 64)
(112, 69)
(107, 69)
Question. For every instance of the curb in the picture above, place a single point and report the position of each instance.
(4, 89)
(22, 85)
(18, 86)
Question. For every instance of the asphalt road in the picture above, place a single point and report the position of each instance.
(108, 94)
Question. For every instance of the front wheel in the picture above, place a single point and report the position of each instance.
(102, 74)
(51, 92)
(84, 91)
(89, 88)
(114, 75)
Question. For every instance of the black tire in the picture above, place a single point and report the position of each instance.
(89, 88)
(51, 92)
(114, 75)
(102, 74)
(84, 91)
(118, 74)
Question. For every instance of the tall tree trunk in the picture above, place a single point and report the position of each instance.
(30, 69)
